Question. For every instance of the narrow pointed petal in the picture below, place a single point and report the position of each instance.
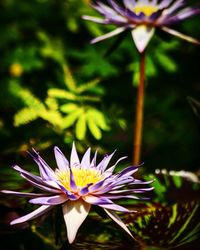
(164, 4)
(45, 171)
(94, 19)
(22, 193)
(36, 213)
(104, 163)
(111, 169)
(109, 35)
(180, 35)
(93, 162)
(40, 186)
(74, 159)
(116, 218)
(128, 171)
(175, 6)
(51, 200)
(74, 213)
(62, 162)
(85, 162)
(115, 207)
(104, 202)
(129, 4)
(73, 186)
(141, 36)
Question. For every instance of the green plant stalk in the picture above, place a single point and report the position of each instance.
(137, 139)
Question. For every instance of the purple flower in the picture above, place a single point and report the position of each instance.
(77, 185)
(142, 17)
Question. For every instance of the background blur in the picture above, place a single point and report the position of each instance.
(56, 88)
(44, 43)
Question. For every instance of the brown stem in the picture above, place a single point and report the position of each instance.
(137, 140)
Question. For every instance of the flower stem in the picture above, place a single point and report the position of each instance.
(137, 140)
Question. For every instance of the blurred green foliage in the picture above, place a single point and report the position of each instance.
(57, 88)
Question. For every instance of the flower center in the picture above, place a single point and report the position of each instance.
(82, 177)
(146, 9)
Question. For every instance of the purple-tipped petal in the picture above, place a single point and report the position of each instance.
(111, 169)
(45, 171)
(62, 162)
(174, 7)
(95, 200)
(116, 197)
(165, 3)
(128, 171)
(52, 200)
(37, 181)
(115, 207)
(74, 159)
(74, 214)
(108, 35)
(36, 213)
(104, 163)
(22, 193)
(97, 186)
(116, 218)
(73, 186)
(85, 190)
(104, 202)
(93, 162)
(180, 35)
(181, 15)
(69, 194)
(85, 162)
(40, 186)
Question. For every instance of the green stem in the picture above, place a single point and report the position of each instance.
(137, 141)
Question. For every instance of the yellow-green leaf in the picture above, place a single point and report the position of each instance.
(25, 116)
(81, 127)
(71, 118)
(99, 118)
(68, 108)
(95, 131)
(61, 94)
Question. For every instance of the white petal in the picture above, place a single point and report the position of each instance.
(74, 159)
(36, 213)
(180, 35)
(74, 213)
(116, 218)
(141, 36)
(61, 160)
(108, 35)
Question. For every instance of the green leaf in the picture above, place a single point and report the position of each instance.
(99, 118)
(87, 86)
(70, 119)
(95, 131)
(69, 80)
(62, 94)
(166, 62)
(53, 117)
(68, 108)
(25, 116)
(81, 127)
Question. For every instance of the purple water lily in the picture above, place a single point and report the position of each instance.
(77, 185)
(142, 17)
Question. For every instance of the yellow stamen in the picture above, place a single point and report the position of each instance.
(146, 9)
(82, 177)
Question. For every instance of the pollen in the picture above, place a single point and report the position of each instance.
(82, 177)
(146, 9)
